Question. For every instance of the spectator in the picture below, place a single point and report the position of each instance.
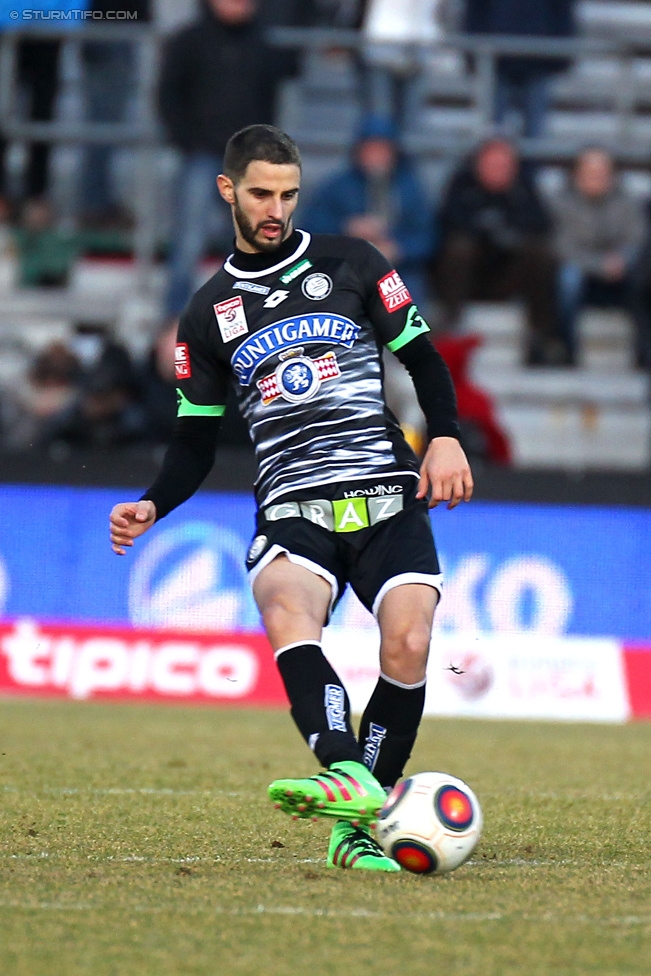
(378, 197)
(496, 245)
(38, 82)
(50, 389)
(599, 229)
(481, 434)
(157, 387)
(7, 247)
(523, 83)
(105, 412)
(218, 75)
(394, 32)
(46, 253)
(109, 78)
(641, 299)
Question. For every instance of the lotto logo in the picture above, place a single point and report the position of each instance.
(393, 292)
(182, 361)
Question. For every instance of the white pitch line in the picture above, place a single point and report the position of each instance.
(138, 859)
(353, 913)
(168, 791)
(118, 791)
(518, 862)
(475, 862)
(568, 795)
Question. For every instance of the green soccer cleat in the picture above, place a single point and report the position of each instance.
(353, 847)
(348, 791)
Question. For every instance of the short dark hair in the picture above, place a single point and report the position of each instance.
(259, 142)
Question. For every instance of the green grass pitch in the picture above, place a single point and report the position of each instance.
(138, 840)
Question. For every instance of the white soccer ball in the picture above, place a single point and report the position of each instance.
(430, 823)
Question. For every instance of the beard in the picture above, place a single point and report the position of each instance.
(249, 232)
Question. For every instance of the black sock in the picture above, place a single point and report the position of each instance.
(320, 705)
(389, 728)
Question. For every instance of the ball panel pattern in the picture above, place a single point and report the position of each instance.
(454, 808)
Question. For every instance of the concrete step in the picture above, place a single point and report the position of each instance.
(108, 276)
(500, 322)
(608, 18)
(580, 437)
(32, 333)
(508, 356)
(595, 416)
(568, 387)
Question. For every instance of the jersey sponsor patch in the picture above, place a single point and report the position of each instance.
(251, 286)
(298, 378)
(393, 292)
(317, 286)
(295, 271)
(274, 339)
(182, 366)
(340, 515)
(231, 318)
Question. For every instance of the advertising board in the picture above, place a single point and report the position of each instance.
(546, 610)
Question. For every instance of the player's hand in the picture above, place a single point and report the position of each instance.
(445, 470)
(127, 521)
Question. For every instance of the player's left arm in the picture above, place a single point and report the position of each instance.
(445, 473)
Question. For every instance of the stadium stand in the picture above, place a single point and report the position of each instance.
(594, 417)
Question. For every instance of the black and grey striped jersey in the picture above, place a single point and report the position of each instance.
(299, 334)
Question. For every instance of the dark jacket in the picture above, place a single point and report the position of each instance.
(522, 18)
(502, 219)
(215, 80)
(347, 194)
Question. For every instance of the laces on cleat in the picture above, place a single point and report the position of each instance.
(352, 847)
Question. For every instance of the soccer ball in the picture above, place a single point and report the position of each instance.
(430, 823)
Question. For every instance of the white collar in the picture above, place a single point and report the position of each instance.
(300, 250)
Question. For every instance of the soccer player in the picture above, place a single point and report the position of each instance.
(296, 323)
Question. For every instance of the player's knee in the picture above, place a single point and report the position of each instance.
(404, 655)
(282, 610)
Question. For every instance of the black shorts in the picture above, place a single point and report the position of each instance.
(373, 560)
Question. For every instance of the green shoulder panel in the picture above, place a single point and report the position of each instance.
(188, 409)
(414, 326)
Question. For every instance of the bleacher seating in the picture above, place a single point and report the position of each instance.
(594, 416)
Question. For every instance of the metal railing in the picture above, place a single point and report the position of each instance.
(143, 134)
(485, 51)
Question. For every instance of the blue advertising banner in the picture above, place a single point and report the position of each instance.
(508, 567)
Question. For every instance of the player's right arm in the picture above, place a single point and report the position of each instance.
(127, 521)
(201, 391)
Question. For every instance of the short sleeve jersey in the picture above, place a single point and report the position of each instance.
(301, 341)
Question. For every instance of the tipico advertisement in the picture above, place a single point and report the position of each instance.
(545, 613)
